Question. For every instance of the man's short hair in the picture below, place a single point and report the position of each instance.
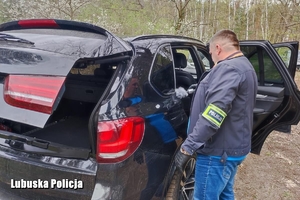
(226, 36)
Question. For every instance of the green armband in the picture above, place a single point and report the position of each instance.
(214, 114)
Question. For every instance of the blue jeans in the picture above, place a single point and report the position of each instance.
(214, 180)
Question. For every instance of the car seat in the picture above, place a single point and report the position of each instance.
(183, 78)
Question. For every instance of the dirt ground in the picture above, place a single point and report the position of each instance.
(275, 173)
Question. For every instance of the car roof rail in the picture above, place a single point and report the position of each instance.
(52, 24)
(154, 36)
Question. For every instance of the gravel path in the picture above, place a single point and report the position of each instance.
(275, 174)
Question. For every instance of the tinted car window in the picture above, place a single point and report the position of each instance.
(70, 42)
(190, 66)
(285, 54)
(204, 59)
(162, 73)
(265, 70)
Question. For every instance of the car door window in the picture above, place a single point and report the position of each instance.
(190, 65)
(285, 54)
(204, 60)
(162, 72)
(288, 53)
(266, 71)
(187, 67)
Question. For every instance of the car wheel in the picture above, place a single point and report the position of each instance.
(182, 183)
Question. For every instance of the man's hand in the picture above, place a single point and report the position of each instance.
(181, 159)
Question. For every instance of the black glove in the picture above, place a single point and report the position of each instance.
(181, 160)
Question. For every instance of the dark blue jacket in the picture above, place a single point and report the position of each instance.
(230, 86)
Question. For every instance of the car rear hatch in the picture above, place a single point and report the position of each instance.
(53, 74)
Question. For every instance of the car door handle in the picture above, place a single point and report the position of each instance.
(269, 84)
(261, 96)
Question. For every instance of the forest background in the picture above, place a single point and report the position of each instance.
(273, 20)
(275, 174)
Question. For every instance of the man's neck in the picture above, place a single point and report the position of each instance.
(229, 55)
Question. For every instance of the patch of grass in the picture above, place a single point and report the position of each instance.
(287, 195)
(268, 153)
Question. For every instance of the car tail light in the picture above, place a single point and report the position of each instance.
(118, 139)
(37, 93)
(38, 23)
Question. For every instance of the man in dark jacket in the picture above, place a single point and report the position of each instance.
(221, 119)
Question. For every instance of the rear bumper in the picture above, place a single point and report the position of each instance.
(5, 195)
(43, 177)
(33, 177)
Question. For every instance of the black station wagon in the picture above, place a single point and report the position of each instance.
(85, 114)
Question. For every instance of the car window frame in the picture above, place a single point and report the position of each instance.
(193, 56)
(262, 55)
(294, 47)
(200, 69)
(160, 93)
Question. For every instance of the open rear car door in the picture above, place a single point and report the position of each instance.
(288, 53)
(278, 98)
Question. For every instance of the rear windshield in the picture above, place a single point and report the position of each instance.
(68, 42)
(59, 32)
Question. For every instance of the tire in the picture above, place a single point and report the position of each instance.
(182, 184)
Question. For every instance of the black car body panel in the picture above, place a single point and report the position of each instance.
(17, 168)
(118, 112)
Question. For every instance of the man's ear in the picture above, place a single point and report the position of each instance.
(219, 49)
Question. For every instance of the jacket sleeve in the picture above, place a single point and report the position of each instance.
(222, 88)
